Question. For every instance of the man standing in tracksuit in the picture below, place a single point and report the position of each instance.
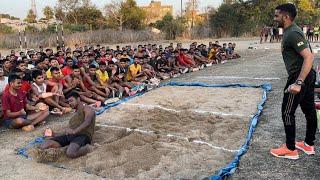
(299, 89)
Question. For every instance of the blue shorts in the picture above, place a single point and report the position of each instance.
(8, 123)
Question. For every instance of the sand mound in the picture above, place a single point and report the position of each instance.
(46, 155)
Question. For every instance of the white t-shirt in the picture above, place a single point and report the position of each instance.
(305, 29)
(3, 83)
(280, 31)
(114, 60)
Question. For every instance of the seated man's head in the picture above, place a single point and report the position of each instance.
(41, 65)
(22, 66)
(7, 64)
(15, 81)
(153, 54)
(74, 99)
(69, 61)
(54, 62)
(18, 72)
(76, 70)
(37, 76)
(55, 72)
(136, 60)
(123, 62)
(92, 70)
(103, 66)
(111, 65)
(34, 58)
(98, 59)
(68, 54)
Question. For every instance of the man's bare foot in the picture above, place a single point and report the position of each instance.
(28, 128)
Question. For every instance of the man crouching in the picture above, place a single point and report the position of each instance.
(80, 131)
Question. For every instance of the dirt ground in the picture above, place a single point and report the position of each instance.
(265, 64)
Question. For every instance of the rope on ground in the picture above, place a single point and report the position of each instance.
(237, 77)
(168, 135)
(151, 106)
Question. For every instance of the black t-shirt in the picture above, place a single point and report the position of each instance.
(153, 63)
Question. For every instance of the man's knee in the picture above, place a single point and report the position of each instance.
(71, 153)
(46, 112)
(72, 150)
(49, 144)
(19, 122)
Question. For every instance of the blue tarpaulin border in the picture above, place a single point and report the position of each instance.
(223, 172)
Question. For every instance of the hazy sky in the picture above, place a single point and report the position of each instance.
(19, 8)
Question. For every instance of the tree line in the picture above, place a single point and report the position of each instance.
(233, 18)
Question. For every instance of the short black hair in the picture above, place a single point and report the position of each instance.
(15, 71)
(51, 59)
(288, 8)
(69, 58)
(19, 62)
(102, 63)
(75, 67)
(73, 94)
(13, 77)
(54, 69)
(124, 59)
(92, 66)
(36, 73)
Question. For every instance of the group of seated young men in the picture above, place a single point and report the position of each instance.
(35, 83)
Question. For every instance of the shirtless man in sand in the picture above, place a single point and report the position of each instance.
(80, 131)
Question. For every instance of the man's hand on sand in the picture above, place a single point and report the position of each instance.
(70, 131)
(294, 89)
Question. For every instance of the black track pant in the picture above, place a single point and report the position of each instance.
(289, 105)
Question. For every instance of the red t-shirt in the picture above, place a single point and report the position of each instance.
(103, 59)
(12, 102)
(66, 70)
(25, 87)
(60, 59)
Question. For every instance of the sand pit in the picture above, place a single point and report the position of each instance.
(176, 132)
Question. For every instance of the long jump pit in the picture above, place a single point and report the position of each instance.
(172, 132)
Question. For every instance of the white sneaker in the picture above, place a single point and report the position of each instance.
(208, 65)
(195, 69)
(185, 70)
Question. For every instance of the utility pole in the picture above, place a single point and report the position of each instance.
(181, 9)
(192, 17)
(34, 7)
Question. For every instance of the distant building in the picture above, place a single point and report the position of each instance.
(9, 21)
(155, 11)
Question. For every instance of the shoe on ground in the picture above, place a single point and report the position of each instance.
(305, 148)
(284, 152)
(185, 70)
(209, 65)
(195, 69)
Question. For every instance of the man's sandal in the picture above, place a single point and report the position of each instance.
(28, 128)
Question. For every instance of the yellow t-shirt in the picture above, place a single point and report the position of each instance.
(49, 75)
(104, 77)
(212, 53)
(134, 71)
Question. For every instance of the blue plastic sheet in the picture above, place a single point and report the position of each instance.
(223, 172)
(23, 151)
